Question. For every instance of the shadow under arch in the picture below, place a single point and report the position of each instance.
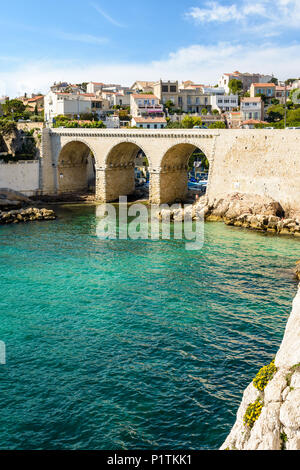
(174, 172)
(76, 168)
(120, 170)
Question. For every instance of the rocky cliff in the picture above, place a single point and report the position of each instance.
(269, 415)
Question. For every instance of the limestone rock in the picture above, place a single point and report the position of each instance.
(278, 426)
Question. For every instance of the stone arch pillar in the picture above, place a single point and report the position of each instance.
(116, 177)
(170, 180)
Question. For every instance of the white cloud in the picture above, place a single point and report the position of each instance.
(202, 64)
(106, 16)
(282, 13)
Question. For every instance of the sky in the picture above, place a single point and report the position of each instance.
(43, 41)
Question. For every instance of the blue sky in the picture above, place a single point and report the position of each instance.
(44, 41)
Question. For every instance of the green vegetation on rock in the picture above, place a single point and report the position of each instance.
(252, 413)
(264, 376)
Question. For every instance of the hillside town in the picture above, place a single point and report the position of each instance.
(237, 101)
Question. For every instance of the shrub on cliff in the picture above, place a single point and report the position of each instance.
(264, 376)
(253, 412)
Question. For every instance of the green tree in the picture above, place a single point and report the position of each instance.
(274, 80)
(235, 86)
(262, 96)
(188, 122)
(275, 113)
(13, 107)
(204, 111)
(169, 105)
(217, 125)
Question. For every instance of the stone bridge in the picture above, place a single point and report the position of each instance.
(260, 161)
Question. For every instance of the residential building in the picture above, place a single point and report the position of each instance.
(234, 119)
(61, 86)
(167, 91)
(121, 99)
(94, 87)
(72, 105)
(192, 100)
(208, 90)
(112, 122)
(149, 122)
(267, 89)
(246, 78)
(252, 108)
(142, 87)
(282, 91)
(295, 84)
(224, 102)
(35, 102)
(251, 123)
(142, 105)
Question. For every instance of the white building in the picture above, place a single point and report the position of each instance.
(120, 99)
(209, 90)
(224, 102)
(252, 108)
(149, 122)
(246, 78)
(72, 105)
(145, 105)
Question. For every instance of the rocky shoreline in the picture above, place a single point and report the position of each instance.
(26, 215)
(269, 415)
(241, 210)
(16, 208)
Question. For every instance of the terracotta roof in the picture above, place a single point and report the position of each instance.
(257, 99)
(264, 84)
(254, 121)
(149, 120)
(36, 98)
(144, 96)
(97, 83)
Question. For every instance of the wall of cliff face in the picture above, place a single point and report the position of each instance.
(269, 415)
(19, 143)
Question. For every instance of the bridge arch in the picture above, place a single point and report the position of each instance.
(76, 167)
(174, 169)
(120, 169)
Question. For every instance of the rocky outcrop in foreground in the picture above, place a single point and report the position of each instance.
(26, 215)
(20, 212)
(269, 415)
(10, 199)
(244, 210)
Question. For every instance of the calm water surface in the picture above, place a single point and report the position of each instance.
(134, 344)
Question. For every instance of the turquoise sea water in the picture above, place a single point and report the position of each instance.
(134, 344)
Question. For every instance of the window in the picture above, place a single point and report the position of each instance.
(173, 89)
(148, 126)
(165, 88)
(161, 126)
(155, 126)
